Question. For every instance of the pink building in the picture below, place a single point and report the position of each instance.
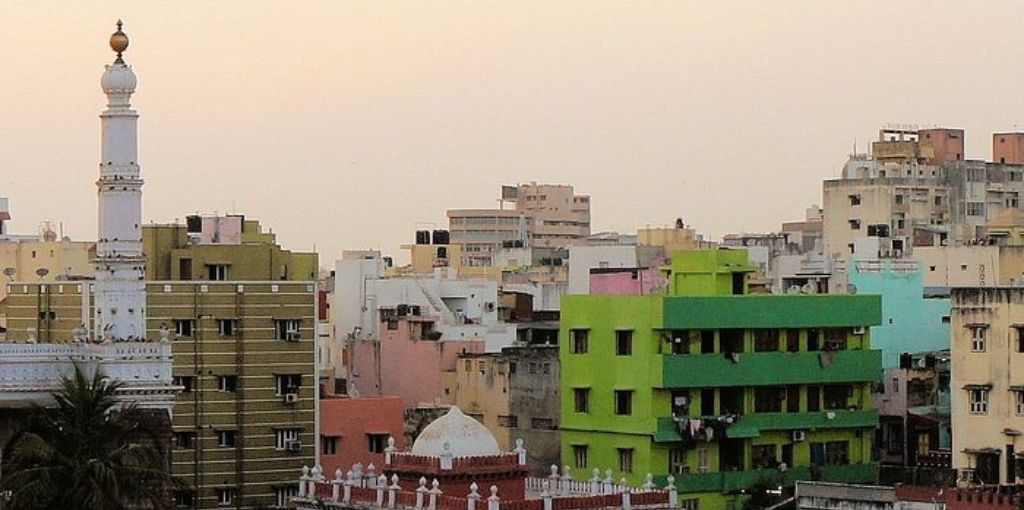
(626, 281)
(356, 430)
(411, 361)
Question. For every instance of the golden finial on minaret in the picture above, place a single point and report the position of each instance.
(118, 42)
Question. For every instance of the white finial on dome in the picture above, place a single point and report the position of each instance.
(457, 435)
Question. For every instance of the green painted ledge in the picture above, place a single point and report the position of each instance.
(771, 311)
(771, 369)
(734, 481)
(751, 425)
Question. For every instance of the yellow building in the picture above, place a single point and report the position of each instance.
(1007, 228)
(43, 259)
(672, 239)
(987, 384)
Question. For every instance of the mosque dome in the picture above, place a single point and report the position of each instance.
(464, 437)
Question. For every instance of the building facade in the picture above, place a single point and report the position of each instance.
(716, 386)
(987, 387)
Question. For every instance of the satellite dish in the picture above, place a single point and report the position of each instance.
(776, 289)
(793, 289)
(10, 272)
(807, 288)
(851, 288)
(41, 272)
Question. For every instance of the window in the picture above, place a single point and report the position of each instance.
(581, 397)
(508, 421)
(579, 341)
(226, 496)
(185, 440)
(975, 208)
(979, 400)
(677, 462)
(287, 329)
(1020, 338)
(702, 460)
(978, 334)
(854, 224)
(226, 327)
(185, 381)
(626, 460)
(283, 438)
(900, 199)
(183, 497)
(836, 339)
(768, 399)
(623, 343)
(288, 383)
(579, 452)
(377, 443)
(689, 504)
(217, 272)
(813, 399)
(623, 402)
(282, 495)
(542, 423)
(227, 382)
(680, 403)
(184, 327)
(894, 443)
(226, 438)
(763, 456)
(837, 396)
(329, 445)
(837, 453)
(793, 340)
(854, 199)
(812, 339)
(792, 399)
(1020, 402)
(766, 340)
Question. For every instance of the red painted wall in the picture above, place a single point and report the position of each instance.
(351, 419)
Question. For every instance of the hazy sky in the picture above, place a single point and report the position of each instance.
(349, 124)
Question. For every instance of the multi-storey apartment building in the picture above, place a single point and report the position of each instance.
(718, 387)
(915, 189)
(544, 215)
(987, 383)
(240, 314)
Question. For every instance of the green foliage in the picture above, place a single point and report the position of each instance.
(760, 495)
(88, 452)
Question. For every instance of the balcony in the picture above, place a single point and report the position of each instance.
(751, 425)
(771, 311)
(771, 368)
(734, 481)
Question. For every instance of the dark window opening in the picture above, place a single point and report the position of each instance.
(812, 339)
(768, 399)
(732, 340)
(837, 396)
(623, 402)
(793, 340)
(707, 341)
(766, 340)
(792, 399)
(581, 399)
(623, 343)
(738, 281)
(707, 402)
(731, 400)
(813, 399)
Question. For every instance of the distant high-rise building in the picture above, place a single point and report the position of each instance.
(544, 215)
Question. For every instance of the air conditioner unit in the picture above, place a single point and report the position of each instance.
(489, 306)
(799, 435)
(292, 336)
(859, 330)
(291, 398)
(294, 445)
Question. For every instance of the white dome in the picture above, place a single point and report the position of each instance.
(118, 79)
(464, 436)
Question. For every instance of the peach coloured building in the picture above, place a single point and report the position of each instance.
(356, 430)
(412, 360)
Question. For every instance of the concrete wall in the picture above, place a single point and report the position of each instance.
(583, 258)
(959, 266)
(351, 420)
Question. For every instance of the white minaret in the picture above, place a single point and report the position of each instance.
(120, 292)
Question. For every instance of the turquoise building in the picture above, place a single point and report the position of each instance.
(911, 322)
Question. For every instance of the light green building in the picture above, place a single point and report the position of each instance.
(783, 383)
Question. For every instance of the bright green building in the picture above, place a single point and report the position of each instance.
(783, 383)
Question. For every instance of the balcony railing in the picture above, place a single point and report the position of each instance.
(771, 368)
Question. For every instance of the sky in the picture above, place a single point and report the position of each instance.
(348, 125)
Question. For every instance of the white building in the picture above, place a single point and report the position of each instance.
(584, 258)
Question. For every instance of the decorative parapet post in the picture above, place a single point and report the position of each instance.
(314, 477)
(494, 502)
(649, 483)
(446, 457)
(608, 483)
(421, 491)
(371, 473)
(595, 482)
(566, 480)
(347, 484)
(624, 489)
(336, 485)
(393, 491)
(303, 481)
(553, 478)
(472, 497)
(673, 493)
(389, 451)
(435, 492)
(545, 494)
(520, 451)
(382, 484)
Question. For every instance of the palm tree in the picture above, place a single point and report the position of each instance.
(89, 451)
